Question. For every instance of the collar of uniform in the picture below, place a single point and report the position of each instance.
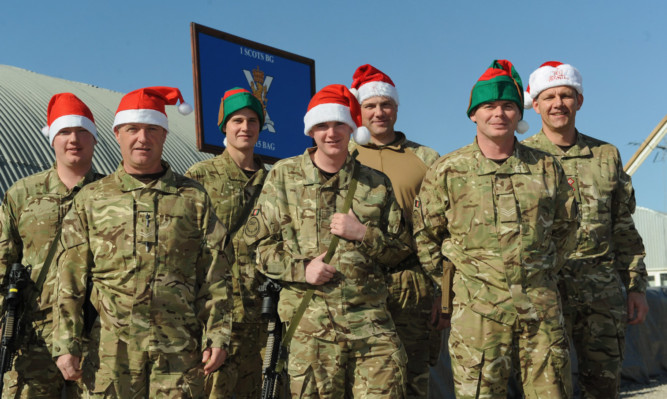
(312, 174)
(396, 145)
(579, 149)
(226, 166)
(166, 183)
(512, 165)
(55, 185)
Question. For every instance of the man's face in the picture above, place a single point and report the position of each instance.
(331, 138)
(496, 119)
(558, 107)
(242, 129)
(141, 147)
(379, 114)
(74, 147)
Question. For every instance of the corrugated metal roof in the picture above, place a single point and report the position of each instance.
(652, 226)
(24, 150)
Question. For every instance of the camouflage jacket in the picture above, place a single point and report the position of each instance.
(233, 193)
(607, 237)
(159, 264)
(291, 223)
(506, 228)
(33, 210)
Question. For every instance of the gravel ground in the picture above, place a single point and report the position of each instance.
(656, 389)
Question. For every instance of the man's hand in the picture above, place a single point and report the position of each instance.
(439, 320)
(213, 358)
(69, 365)
(318, 272)
(637, 307)
(347, 225)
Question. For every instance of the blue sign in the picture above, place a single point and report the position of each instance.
(283, 82)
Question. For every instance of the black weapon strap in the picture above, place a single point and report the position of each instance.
(327, 258)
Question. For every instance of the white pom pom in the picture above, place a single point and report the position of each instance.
(362, 135)
(184, 108)
(522, 127)
(527, 100)
(354, 92)
(45, 131)
(224, 142)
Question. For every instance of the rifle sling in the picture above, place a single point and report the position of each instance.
(39, 283)
(296, 318)
(243, 216)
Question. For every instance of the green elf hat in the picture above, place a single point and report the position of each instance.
(500, 82)
(236, 99)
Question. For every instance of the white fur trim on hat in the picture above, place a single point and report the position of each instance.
(376, 88)
(71, 121)
(546, 77)
(527, 100)
(148, 116)
(328, 112)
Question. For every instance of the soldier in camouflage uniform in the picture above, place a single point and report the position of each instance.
(609, 251)
(149, 240)
(502, 214)
(346, 343)
(411, 294)
(234, 181)
(33, 209)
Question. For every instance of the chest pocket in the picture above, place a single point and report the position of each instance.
(596, 191)
(472, 215)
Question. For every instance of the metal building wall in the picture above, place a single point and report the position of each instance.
(24, 97)
(652, 226)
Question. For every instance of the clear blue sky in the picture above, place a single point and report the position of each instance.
(433, 50)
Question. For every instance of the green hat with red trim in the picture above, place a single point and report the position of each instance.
(236, 99)
(500, 82)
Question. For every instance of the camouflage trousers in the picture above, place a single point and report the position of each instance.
(35, 375)
(140, 374)
(410, 301)
(369, 368)
(597, 330)
(482, 352)
(241, 375)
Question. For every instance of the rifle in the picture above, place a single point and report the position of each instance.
(270, 293)
(18, 278)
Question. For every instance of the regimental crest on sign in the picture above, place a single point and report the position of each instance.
(259, 86)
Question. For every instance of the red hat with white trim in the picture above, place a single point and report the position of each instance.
(369, 81)
(335, 103)
(548, 75)
(67, 110)
(147, 105)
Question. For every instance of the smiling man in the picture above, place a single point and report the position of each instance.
(234, 181)
(411, 293)
(156, 254)
(33, 210)
(610, 252)
(345, 344)
(502, 214)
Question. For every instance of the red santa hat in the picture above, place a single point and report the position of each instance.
(369, 81)
(335, 103)
(147, 106)
(67, 110)
(548, 75)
